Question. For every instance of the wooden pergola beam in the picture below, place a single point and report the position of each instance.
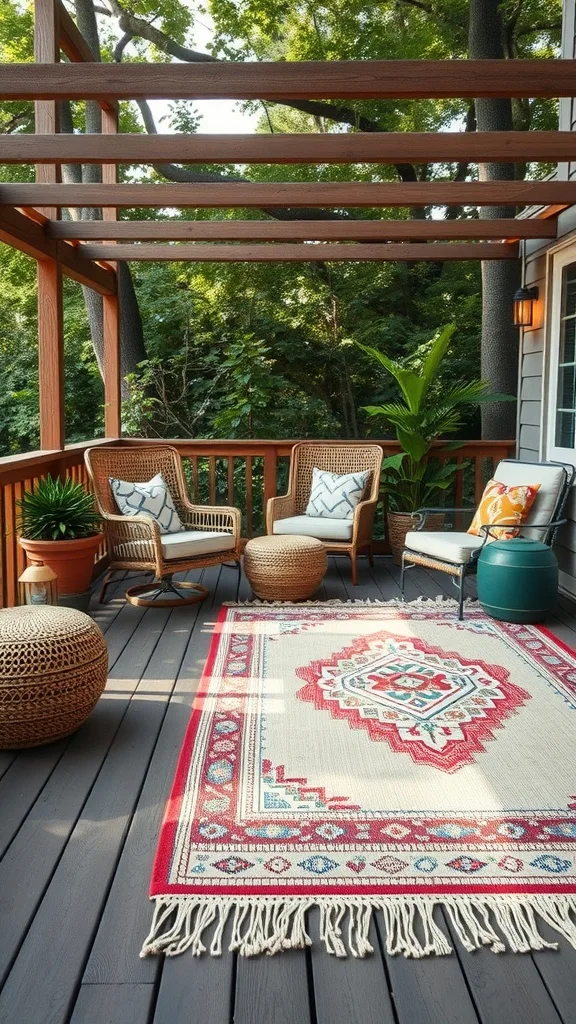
(301, 231)
(206, 253)
(273, 194)
(286, 80)
(349, 147)
(28, 236)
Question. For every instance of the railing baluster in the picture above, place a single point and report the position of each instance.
(230, 491)
(478, 478)
(212, 479)
(270, 480)
(10, 537)
(20, 556)
(249, 525)
(459, 483)
(194, 463)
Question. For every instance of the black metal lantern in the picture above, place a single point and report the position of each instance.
(524, 300)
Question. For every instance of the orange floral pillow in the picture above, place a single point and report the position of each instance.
(501, 504)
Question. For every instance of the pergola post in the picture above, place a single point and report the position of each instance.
(51, 354)
(111, 367)
(46, 114)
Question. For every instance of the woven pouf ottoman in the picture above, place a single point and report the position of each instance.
(286, 568)
(53, 668)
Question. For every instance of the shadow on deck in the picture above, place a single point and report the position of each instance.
(79, 823)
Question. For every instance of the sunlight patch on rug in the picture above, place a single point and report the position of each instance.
(372, 757)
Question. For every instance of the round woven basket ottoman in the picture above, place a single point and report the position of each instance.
(286, 568)
(53, 668)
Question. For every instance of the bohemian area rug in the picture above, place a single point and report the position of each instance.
(369, 758)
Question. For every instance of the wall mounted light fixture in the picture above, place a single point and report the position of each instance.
(524, 300)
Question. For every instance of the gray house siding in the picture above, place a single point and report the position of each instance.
(533, 401)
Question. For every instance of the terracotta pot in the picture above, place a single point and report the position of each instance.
(71, 560)
(401, 523)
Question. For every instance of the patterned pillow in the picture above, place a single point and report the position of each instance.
(335, 496)
(502, 504)
(152, 499)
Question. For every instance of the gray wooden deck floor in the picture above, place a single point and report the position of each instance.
(79, 822)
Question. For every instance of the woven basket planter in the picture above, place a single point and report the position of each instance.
(401, 523)
(53, 668)
(285, 568)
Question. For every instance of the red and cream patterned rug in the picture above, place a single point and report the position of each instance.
(372, 757)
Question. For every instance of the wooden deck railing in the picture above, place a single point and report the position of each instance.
(242, 473)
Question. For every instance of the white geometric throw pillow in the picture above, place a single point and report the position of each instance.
(152, 499)
(334, 495)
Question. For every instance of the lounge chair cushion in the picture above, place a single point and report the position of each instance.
(187, 544)
(445, 544)
(316, 526)
(191, 543)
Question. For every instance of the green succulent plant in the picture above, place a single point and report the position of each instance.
(57, 510)
(424, 413)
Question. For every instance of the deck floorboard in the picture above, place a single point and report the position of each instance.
(78, 831)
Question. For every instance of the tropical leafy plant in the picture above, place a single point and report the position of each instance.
(426, 412)
(57, 510)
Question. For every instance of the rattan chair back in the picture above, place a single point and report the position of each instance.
(136, 465)
(334, 458)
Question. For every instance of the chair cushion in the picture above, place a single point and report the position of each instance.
(191, 543)
(151, 499)
(335, 495)
(551, 480)
(445, 544)
(504, 504)
(315, 526)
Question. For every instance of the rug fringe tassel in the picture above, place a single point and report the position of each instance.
(267, 925)
(431, 602)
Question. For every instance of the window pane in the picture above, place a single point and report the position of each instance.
(569, 290)
(565, 429)
(567, 341)
(567, 388)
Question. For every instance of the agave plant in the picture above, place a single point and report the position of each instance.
(57, 510)
(424, 414)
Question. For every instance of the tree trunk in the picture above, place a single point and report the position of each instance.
(500, 278)
(132, 349)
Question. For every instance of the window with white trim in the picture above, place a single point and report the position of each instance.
(565, 432)
(561, 413)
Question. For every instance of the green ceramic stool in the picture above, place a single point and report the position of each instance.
(517, 580)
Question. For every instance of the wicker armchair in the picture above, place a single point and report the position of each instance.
(211, 535)
(286, 514)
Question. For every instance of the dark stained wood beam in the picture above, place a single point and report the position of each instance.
(303, 253)
(272, 194)
(29, 237)
(348, 147)
(285, 80)
(301, 231)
